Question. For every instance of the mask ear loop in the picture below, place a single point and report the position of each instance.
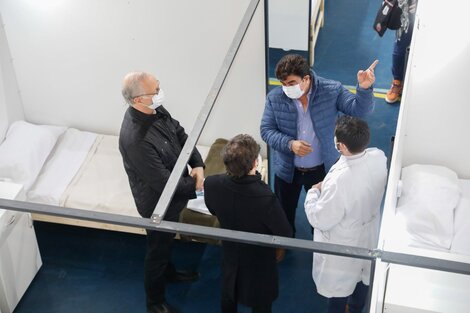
(337, 145)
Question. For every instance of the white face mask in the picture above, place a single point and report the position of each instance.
(336, 144)
(293, 92)
(157, 100)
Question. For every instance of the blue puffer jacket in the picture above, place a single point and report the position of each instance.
(279, 123)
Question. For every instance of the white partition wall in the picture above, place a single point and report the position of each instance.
(432, 123)
(240, 104)
(437, 100)
(11, 108)
(432, 129)
(289, 22)
(70, 57)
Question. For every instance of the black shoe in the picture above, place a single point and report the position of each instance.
(161, 308)
(182, 276)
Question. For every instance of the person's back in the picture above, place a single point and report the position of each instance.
(345, 209)
(362, 180)
(243, 202)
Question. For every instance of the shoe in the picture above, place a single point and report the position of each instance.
(182, 276)
(394, 94)
(161, 308)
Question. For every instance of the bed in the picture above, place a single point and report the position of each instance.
(433, 211)
(79, 169)
(432, 218)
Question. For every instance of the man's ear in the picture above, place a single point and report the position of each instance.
(343, 147)
(255, 164)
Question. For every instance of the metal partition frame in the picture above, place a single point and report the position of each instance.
(157, 222)
(240, 236)
(170, 187)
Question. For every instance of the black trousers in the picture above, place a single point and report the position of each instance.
(288, 194)
(230, 306)
(157, 265)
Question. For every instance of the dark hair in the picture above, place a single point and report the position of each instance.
(292, 64)
(239, 154)
(352, 132)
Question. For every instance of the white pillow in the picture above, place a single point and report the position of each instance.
(430, 195)
(24, 151)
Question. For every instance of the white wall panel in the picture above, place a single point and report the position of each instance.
(11, 108)
(432, 129)
(289, 22)
(437, 100)
(241, 101)
(70, 58)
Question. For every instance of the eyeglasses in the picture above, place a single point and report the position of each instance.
(148, 94)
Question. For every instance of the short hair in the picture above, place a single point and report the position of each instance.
(132, 85)
(352, 132)
(239, 154)
(292, 64)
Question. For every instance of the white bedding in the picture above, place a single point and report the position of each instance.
(461, 240)
(101, 184)
(430, 195)
(446, 229)
(85, 171)
(63, 163)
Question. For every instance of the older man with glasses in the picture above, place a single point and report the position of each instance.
(150, 142)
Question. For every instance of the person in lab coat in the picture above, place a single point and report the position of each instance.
(345, 209)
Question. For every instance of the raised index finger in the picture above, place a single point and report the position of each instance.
(372, 66)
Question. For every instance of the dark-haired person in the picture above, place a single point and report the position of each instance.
(345, 209)
(242, 201)
(298, 124)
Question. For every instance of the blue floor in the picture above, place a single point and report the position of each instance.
(99, 271)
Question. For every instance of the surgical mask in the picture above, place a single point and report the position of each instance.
(293, 92)
(336, 144)
(157, 100)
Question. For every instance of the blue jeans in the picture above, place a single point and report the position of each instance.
(399, 52)
(356, 301)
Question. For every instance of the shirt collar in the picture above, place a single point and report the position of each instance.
(355, 156)
(141, 116)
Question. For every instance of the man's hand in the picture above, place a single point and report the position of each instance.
(317, 186)
(280, 253)
(198, 174)
(367, 78)
(301, 148)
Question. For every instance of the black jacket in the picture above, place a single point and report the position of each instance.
(150, 146)
(247, 204)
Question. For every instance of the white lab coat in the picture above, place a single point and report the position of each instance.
(347, 212)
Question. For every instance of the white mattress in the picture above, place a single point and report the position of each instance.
(66, 158)
(85, 171)
(101, 184)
